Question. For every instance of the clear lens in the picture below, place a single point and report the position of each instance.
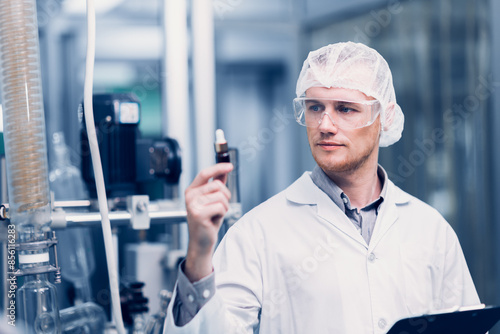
(345, 114)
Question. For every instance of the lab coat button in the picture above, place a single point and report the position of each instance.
(191, 298)
(206, 293)
(371, 257)
(382, 323)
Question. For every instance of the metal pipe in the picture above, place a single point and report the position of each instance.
(62, 218)
(175, 94)
(203, 56)
(73, 204)
(123, 218)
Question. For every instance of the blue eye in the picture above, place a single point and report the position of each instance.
(315, 108)
(345, 110)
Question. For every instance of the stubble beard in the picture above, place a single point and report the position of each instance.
(348, 165)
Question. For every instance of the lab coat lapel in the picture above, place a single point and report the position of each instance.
(388, 214)
(304, 191)
(329, 211)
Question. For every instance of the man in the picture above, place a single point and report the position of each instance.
(342, 250)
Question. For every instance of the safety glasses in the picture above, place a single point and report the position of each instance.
(310, 112)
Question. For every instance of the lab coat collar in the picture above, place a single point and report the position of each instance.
(305, 192)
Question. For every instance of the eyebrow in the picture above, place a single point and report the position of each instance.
(322, 101)
(349, 103)
(309, 100)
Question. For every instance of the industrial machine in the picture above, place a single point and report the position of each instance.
(39, 223)
(128, 159)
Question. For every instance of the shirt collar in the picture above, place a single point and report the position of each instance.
(336, 194)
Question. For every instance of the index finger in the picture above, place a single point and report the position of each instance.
(210, 172)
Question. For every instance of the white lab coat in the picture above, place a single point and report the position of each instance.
(297, 265)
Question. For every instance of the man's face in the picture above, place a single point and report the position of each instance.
(338, 150)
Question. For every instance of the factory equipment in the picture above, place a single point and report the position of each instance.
(156, 321)
(160, 160)
(34, 304)
(27, 171)
(76, 244)
(134, 306)
(31, 214)
(128, 160)
(37, 297)
(85, 318)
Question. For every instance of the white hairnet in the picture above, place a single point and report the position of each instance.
(355, 66)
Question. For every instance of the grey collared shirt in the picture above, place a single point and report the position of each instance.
(364, 219)
(191, 297)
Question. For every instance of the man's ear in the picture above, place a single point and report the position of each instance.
(389, 116)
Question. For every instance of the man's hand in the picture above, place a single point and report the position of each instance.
(206, 204)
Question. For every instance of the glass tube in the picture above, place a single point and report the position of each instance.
(36, 299)
(23, 115)
(75, 243)
(88, 318)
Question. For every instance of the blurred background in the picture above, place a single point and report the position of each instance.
(442, 54)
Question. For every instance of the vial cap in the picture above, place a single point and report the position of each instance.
(219, 137)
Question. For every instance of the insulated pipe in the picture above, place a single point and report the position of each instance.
(175, 118)
(204, 80)
(97, 168)
(175, 98)
(23, 116)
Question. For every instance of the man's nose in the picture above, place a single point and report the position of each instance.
(327, 124)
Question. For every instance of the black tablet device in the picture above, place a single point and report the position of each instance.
(477, 321)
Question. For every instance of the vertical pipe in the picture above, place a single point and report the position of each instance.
(204, 80)
(23, 116)
(176, 120)
(97, 168)
(175, 95)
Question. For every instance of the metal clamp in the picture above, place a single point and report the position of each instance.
(138, 208)
(4, 213)
(40, 269)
